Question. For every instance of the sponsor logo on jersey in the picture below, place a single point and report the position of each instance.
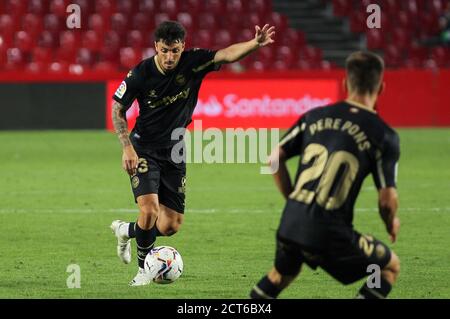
(121, 90)
(180, 79)
(130, 74)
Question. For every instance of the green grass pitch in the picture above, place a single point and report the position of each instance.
(59, 192)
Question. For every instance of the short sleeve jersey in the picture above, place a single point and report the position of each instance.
(166, 100)
(339, 145)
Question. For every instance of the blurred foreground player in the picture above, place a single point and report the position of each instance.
(166, 87)
(339, 146)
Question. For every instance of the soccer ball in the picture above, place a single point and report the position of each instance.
(164, 264)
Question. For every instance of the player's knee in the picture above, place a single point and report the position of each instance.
(170, 228)
(149, 210)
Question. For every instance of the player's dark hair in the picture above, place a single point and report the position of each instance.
(364, 71)
(170, 32)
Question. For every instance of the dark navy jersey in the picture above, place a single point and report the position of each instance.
(339, 145)
(166, 100)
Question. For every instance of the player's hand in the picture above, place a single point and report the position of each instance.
(395, 228)
(265, 35)
(130, 160)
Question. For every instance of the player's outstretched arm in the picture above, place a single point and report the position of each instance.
(388, 204)
(277, 162)
(129, 157)
(238, 51)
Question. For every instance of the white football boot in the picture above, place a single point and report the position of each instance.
(141, 279)
(123, 242)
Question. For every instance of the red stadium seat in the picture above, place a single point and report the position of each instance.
(215, 7)
(66, 55)
(248, 21)
(417, 52)
(86, 7)
(375, 39)
(342, 8)
(358, 22)
(38, 7)
(235, 8)
(104, 66)
(7, 25)
(105, 7)
(222, 39)
(110, 49)
(52, 24)
(170, 7)
(2, 57)
(266, 54)
(311, 54)
(428, 24)
(391, 7)
(194, 7)
(69, 40)
(293, 38)
(119, 24)
(185, 18)
(441, 56)
(392, 56)
(135, 40)
(160, 18)
(436, 7)
(58, 67)
(35, 67)
(16, 8)
(279, 21)
(96, 23)
(42, 55)
(403, 20)
(258, 66)
(32, 24)
(143, 22)
(207, 21)
(85, 58)
(401, 38)
(286, 54)
(260, 7)
(14, 59)
(148, 7)
(126, 7)
(203, 39)
(413, 63)
(281, 65)
(245, 35)
(58, 8)
(47, 40)
(129, 58)
(92, 41)
(23, 41)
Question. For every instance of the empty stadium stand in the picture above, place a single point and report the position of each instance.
(311, 34)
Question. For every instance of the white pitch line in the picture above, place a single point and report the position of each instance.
(193, 210)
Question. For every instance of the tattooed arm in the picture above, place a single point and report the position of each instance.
(129, 157)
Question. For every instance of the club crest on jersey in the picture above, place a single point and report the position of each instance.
(135, 181)
(121, 90)
(152, 94)
(180, 79)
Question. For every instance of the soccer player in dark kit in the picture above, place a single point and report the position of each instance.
(166, 87)
(339, 145)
